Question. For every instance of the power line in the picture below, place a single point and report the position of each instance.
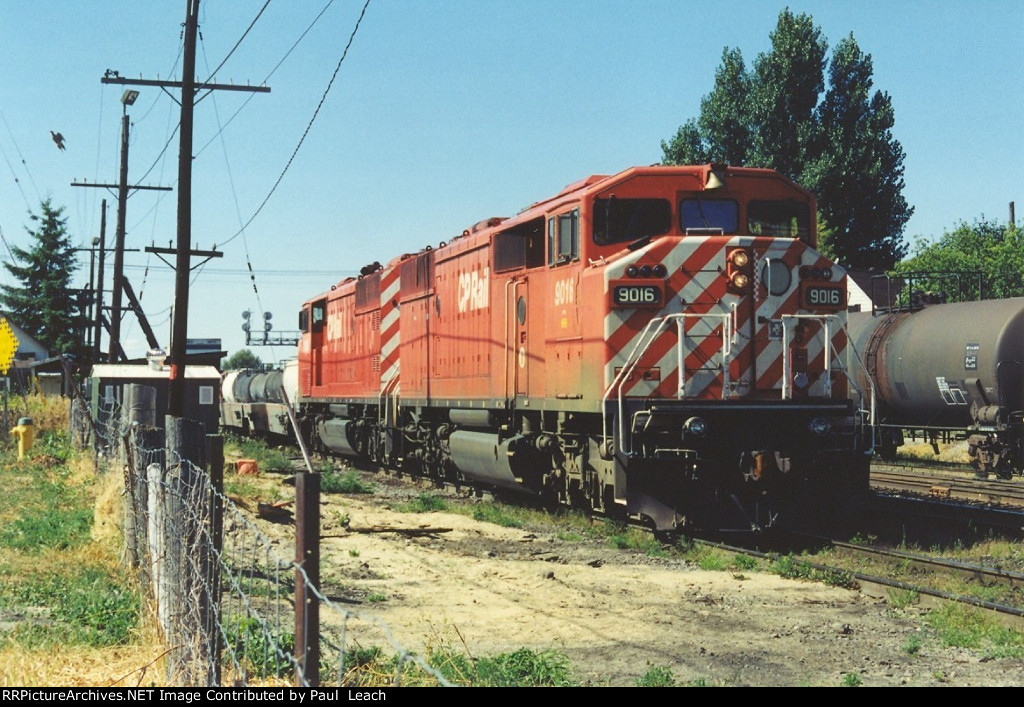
(240, 39)
(268, 76)
(308, 126)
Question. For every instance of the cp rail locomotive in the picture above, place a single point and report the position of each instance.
(948, 369)
(663, 344)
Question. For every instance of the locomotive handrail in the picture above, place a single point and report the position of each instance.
(829, 351)
(871, 385)
(787, 378)
(646, 339)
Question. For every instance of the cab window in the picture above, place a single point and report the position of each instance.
(618, 220)
(781, 219)
(319, 315)
(564, 238)
(698, 216)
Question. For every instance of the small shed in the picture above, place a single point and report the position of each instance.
(202, 391)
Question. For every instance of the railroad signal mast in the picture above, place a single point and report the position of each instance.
(189, 87)
(280, 338)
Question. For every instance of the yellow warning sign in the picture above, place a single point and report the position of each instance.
(8, 346)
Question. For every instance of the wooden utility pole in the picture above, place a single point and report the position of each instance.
(115, 350)
(99, 284)
(188, 85)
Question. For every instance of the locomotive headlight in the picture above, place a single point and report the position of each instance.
(645, 271)
(659, 270)
(819, 426)
(695, 427)
(632, 271)
(739, 258)
(740, 280)
(739, 270)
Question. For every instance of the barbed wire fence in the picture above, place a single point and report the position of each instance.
(232, 610)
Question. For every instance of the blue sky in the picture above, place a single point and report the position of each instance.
(443, 113)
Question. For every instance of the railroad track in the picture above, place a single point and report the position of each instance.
(946, 484)
(882, 584)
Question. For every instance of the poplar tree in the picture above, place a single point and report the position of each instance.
(836, 143)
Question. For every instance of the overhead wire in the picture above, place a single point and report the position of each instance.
(308, 126)
(21, 157)
(268, 76)
(240, 40)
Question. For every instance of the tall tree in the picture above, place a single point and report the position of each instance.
(857, 166)
(45, 305)
(785, 87)
(841, 148)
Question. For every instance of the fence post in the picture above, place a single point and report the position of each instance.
(307, 578)
(183, 519)
(212, 549)
(140, 402)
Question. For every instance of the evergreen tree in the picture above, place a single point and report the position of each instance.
(841, 149)
(45, 305)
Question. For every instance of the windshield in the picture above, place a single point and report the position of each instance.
(618, 220)
(781, 219)
(709, 216)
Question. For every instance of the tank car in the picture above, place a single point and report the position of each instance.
(956, 368)
(664, 343)
(253, 402)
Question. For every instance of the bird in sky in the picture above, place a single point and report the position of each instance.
(58, 138)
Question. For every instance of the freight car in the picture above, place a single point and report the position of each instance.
(664, 344)
(953, 369)
(253, 401)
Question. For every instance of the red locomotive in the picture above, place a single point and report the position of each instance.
(664, 343)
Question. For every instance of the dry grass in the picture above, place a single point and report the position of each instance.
(955, 453)
(140, 662)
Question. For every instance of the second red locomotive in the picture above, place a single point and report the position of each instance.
(665, 343)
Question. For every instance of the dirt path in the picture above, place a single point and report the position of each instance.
(615, 613)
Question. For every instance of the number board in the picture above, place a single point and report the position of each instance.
(631, 293)
(823, 297)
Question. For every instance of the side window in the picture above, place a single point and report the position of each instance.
(303, 320)
(564, 238)
(319, 315)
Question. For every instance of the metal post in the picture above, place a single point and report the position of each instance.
(307, 557)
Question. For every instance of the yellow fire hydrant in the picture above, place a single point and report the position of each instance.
(24, 433)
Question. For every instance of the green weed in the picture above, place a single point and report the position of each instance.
(350, 482)
(258, 649)
(657, 676)
(88, 607)
(424, 503)
(912, 646)
(965, 627)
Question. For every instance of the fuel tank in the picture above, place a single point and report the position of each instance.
(930, 365)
